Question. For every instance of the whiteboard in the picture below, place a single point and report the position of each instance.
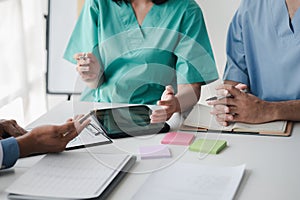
(61, 77)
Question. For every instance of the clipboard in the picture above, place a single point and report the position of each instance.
(92, 135)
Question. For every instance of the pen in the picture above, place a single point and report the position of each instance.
(222, 97)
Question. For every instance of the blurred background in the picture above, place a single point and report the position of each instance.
(23, 55)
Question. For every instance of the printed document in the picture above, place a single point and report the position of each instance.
(192, 181)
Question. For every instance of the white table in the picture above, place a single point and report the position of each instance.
(272, 163)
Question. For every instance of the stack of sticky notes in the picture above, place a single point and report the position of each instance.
(178, 138)
(208, 146)
(184, 139)
(156, 151)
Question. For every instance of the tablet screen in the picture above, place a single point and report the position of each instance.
(128, 121)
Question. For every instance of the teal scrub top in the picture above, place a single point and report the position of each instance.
(170, 47)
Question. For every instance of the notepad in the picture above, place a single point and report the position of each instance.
(178, 138)
(201, 119)
(156, 151)
(71, 175)
(208, 146)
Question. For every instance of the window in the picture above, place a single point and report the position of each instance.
(23, 59)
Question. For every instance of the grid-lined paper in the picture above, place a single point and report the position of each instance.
(69, 175)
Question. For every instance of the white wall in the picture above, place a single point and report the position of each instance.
(217, 14)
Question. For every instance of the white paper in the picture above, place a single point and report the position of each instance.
(200, 117)
(192, 181)
(69, 175)
(92, 134)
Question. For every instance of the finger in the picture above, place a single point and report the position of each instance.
(231, 89)
(15, 129)
(222, 108)
(83, 68)
(222, 93)
(223, 101)
(78, 56)
(84, 61)
(80, 126)
(20, 130)
(159, 112)
(169, 89)
(161, 115)
(77, 117)
(224, 118)
(158, 119)
(12, 131)
(222, 123)
(84, 124)
(165, 102)
(241, 86)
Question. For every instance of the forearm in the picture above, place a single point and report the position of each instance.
(188, 95)
(284, 110)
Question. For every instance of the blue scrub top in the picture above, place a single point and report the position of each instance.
(170, 47)
(263, 50)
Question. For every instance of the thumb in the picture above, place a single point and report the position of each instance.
(241, 86)
(169, 89)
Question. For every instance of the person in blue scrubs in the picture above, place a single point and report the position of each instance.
(15, 142)
(263, 55)
(143, 52)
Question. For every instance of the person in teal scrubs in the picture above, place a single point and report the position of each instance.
(263, 55)
(143, 52)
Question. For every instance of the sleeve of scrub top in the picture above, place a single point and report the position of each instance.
(9, 152)
(84, 37)
(195, 61)
(236, 68)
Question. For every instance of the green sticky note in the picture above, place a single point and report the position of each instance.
(208, 146)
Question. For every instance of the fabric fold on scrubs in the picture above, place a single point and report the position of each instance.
(170, 47)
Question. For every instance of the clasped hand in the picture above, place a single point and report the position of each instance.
(238, 106)
(10, 128)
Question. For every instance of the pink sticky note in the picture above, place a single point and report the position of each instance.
(157, 151)
(178, 138)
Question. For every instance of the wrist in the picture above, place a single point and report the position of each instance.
(271, 111)
(178, 107)
(94, 83)
(26, 145)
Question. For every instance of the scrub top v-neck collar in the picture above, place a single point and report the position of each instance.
(130, 21)
(281, 20)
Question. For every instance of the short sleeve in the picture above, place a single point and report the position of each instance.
(84, 37)
(1, 155)
(236, 66)
(10, 152)
(195, 57)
